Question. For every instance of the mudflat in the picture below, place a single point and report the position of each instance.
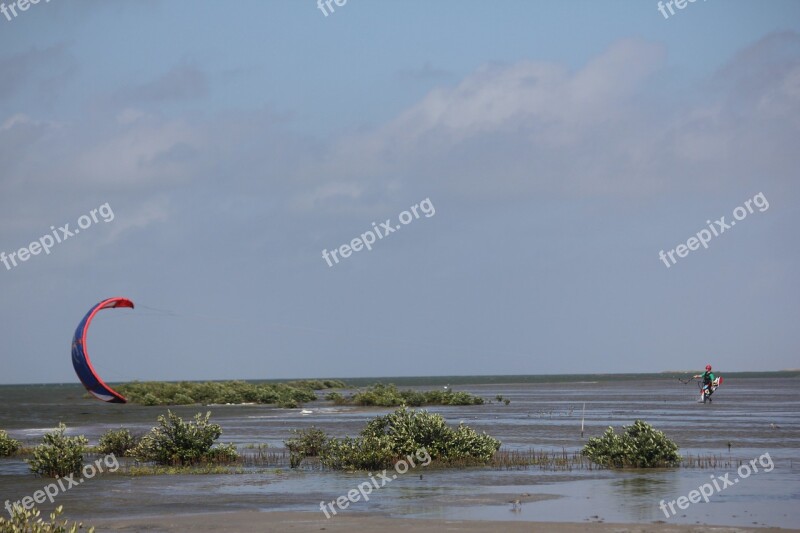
(268, 522)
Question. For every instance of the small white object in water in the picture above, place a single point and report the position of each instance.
(306, 412)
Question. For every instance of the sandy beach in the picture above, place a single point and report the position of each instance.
(250, 521)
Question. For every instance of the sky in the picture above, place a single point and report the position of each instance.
(547, 170)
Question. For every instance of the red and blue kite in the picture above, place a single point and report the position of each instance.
(80, 359)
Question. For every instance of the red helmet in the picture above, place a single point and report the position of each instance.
(708, 367)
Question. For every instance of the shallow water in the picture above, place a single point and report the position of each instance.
(541, 415)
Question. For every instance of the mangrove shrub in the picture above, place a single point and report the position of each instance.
(8, 446)
(288, 394)
(175, 442)
(380, 395)
(120, 442)
(387, 439)
(30, 521)
(640, 446)
(58, 455)
(309, 442)
(409, 430)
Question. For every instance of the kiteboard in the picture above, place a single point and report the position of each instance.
(707, 391)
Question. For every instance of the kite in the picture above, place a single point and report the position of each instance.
(80, 359)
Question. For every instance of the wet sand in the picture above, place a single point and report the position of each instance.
(254, 521)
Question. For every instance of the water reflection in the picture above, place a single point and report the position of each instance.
(639, 492)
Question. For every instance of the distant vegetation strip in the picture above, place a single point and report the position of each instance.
(289, 394)
(380, 395)
(430, 381)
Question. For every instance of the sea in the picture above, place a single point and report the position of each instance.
(754, 420)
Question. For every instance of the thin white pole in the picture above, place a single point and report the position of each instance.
(583, 416)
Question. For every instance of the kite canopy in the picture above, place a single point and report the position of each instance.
(80, 359)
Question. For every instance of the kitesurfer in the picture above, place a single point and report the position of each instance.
(708, 381)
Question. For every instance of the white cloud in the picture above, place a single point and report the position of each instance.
(140, 153)
(605, 129)
(139, 216)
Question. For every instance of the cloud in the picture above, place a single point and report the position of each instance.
(37, 68)
(139, 217)
(328, 193)
(532, 128)
(19, 135)
(745, 123)
(139, 153)
(426, 72)
(528, 129)
(178, 84)
(515, 128)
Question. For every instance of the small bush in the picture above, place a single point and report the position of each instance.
(309, 442)
(29, 521)
(223, 454)
(58, 455)
(640, 446)
(362, 453)
(175, 442)
(305, 443)
(409, 430)
(8, 446)
(389, 438)
(336, 398)
(120, 442)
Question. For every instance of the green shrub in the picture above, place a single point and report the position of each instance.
(640, 446)
(183, 399)
(362, 453)
(288, 394)
(175, 442)
(58, 455)
(309, 442)
(8, 446)
(120, 442)
(463, 398)
(336, 398)
(409, 430)
(30, 521)
(380, 395)
(223, 454)
(389, 438)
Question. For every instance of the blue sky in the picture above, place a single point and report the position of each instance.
(563, 145)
